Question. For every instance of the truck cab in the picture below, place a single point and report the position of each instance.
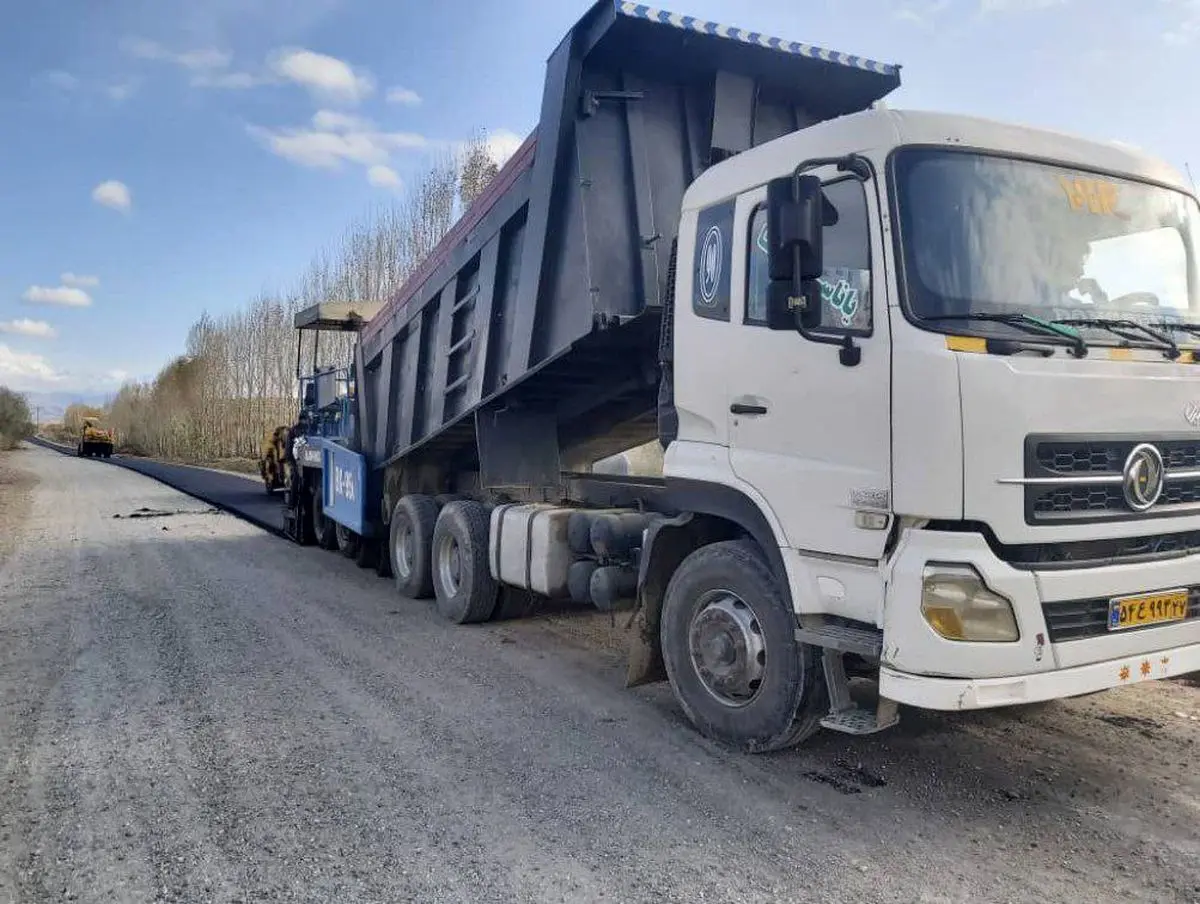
(973, 430)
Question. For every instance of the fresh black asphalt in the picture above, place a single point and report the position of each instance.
(233, 493)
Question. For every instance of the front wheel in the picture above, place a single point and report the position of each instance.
(729, 646)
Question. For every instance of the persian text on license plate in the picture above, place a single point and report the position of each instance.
(1147, 609)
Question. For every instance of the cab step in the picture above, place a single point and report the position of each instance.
(866, 642)
(858, 720)
(846, 716)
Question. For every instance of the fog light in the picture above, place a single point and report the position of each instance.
(959, 606)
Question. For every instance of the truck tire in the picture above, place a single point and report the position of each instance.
(348, 542)
(324, 530)
(410, 545)
(729, 646)
(463, 584)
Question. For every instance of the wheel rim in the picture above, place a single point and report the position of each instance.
(449, 565)
(727, 648)
(405, 548)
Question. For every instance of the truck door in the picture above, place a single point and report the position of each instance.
(809, 433)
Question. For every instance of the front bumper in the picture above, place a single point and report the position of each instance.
(1029, 667)
(984, 693)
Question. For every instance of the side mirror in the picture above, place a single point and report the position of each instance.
(797, 212)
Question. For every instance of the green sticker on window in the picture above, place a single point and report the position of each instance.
(842, 297)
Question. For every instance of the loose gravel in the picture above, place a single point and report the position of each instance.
(193, 710)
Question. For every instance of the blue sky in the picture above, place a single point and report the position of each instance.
(160, 158)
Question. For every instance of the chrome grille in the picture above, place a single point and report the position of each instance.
(1079, 479)
(1109, 457)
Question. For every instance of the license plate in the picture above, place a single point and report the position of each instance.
(1147, 609)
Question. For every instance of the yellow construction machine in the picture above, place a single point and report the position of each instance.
(95, 440)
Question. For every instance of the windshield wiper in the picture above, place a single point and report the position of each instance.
(1029, 324)
(1127, 330)
(1192, 329)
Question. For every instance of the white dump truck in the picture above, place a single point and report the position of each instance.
(925, 385)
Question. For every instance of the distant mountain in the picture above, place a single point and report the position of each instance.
(51, 405)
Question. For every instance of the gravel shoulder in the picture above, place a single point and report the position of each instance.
(16, 495)
(194, 710)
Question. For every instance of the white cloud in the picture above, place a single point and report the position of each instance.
(383, 177)
(333, 121)
(326, 78)
(921, 12)
(198, 60)
(234, 81)
(113, 194)
(64, 81)
(62, 296)
(502, 144)
(121, 91)
(1017, 6)
(116, 376)
(22, 369)
(36, 329)
(208, 65)
(405, 97)
(79, 280)
(323, 149)
(1187, 28)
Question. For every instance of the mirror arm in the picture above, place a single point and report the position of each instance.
(855, 164)
(850, 353)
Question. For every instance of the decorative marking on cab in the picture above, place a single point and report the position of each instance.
(1143, 477)
(689, 23)
(1191, 413)
(710, 265)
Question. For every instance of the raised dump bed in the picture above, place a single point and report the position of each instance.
(527, 343)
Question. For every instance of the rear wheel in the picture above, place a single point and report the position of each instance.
(462, 579)
(409, 545)
(324, 530)
(729, 646)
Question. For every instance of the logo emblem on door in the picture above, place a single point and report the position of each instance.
(710, 265)
(1142, 480)
(1191, 413)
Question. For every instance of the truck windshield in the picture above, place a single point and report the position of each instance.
(987, 240)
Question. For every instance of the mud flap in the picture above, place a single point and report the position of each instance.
(645, 662)
(667, 543)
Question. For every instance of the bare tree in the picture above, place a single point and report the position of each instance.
(479, 168)
(237, 377)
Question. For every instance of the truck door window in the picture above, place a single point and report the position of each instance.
(846, 283)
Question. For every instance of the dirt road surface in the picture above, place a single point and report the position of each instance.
(193, 710)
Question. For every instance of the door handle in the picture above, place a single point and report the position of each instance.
(743, 408)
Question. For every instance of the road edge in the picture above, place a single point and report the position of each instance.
(132, 465)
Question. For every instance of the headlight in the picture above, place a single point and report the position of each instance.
(959, 606)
